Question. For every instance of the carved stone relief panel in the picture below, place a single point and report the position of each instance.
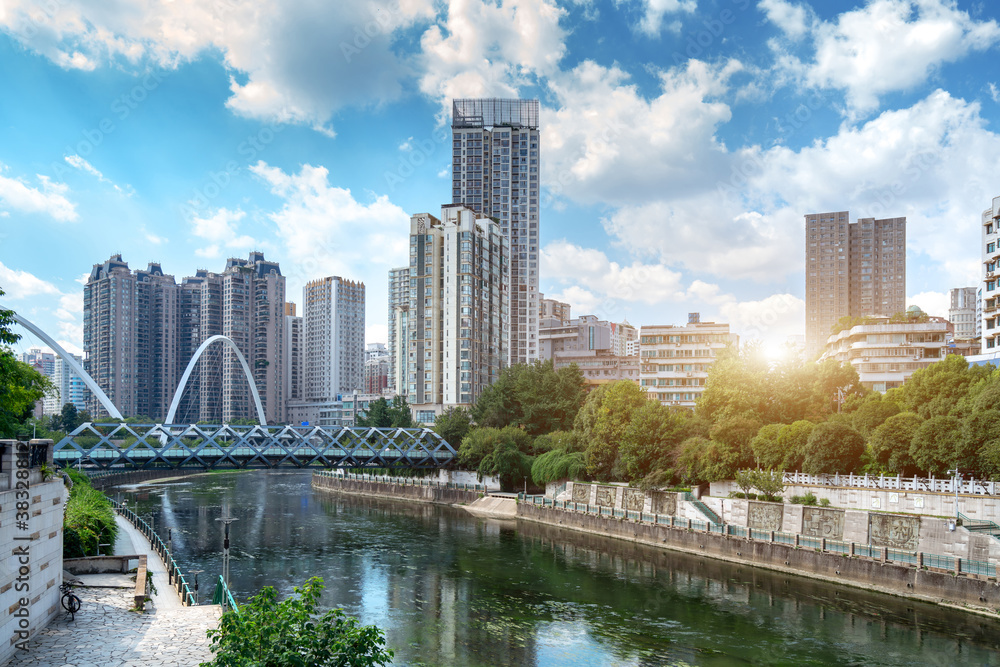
(633, 499)
(605, 496)
(820, 522)
(892, 530)
(664, 503)
(765, 516)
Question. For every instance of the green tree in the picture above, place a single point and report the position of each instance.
(68, 418)
(452, 425)
(535, 396)
(558, 464)
(510, 465)
(480, 442)
(766, 448)
(649, 440)
(939, 388)
(871, 413)
(602, 423)
(689, 461)
(292, 633)
(932, 444)
(833, 447)
(771, 483)
(792, 440)
(889, 446)
(979, 430)
(383, 414)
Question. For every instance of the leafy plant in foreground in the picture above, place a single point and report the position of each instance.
(292, 633)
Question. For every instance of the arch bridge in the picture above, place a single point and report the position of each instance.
(196, 446)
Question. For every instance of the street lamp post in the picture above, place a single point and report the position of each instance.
(226, 521)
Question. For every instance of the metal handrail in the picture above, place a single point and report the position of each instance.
(173, 571)
(224, 596)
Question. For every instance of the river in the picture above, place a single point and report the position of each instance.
(450, 589)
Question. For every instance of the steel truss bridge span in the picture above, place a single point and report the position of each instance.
(197, 446)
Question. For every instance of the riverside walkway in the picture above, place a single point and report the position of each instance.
(106, 634)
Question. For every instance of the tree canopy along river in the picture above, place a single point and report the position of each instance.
(452, 589)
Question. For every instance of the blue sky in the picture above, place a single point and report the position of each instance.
(682, 141)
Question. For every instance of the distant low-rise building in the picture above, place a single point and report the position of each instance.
(674, 360)
(886, 354)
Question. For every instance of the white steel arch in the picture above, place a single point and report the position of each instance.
(74, 364)
(190, 367)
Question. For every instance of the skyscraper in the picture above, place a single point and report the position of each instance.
(457, 316)
(495, 172)
(399, 297)
(852, 269)
(333, 338)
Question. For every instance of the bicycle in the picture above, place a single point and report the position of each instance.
(70, 602)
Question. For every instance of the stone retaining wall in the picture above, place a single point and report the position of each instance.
(934, 586)
(427, 494)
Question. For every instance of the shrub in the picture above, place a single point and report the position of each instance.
(291, 632)
(89, 520)
(824, 502)
(808, 499)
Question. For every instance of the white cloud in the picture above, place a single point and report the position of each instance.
(290, 61)
(70, 307)
(994, 92)
(606, 143)
(220, 230)
(654, 12)
(794, 20)
(21, 284)
(487, 50)
(932, 303)
(78, 162)
(883, 47)
(49, 199)
(326, 232)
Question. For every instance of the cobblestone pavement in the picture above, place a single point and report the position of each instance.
(106, 634)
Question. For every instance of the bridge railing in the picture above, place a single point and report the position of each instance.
(915, 559)
(174, 575)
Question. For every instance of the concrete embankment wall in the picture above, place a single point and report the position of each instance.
(137, 476)
(934, 586)
(427, 494)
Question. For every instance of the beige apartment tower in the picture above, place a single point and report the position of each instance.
(852, 269)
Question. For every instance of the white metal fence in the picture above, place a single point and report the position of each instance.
(974, 487)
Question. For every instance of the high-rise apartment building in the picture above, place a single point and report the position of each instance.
(852, 269)
(399, 297)
(141, 329)
(495, 172)
(674, 360)
(333, 331)
(990, 294)
(294, 361)
(456, 321)
(70, 385)
(962, 312)
(129, 337)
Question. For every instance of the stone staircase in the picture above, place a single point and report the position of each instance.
(704, 509)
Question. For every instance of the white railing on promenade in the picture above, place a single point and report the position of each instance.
(972, 487)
